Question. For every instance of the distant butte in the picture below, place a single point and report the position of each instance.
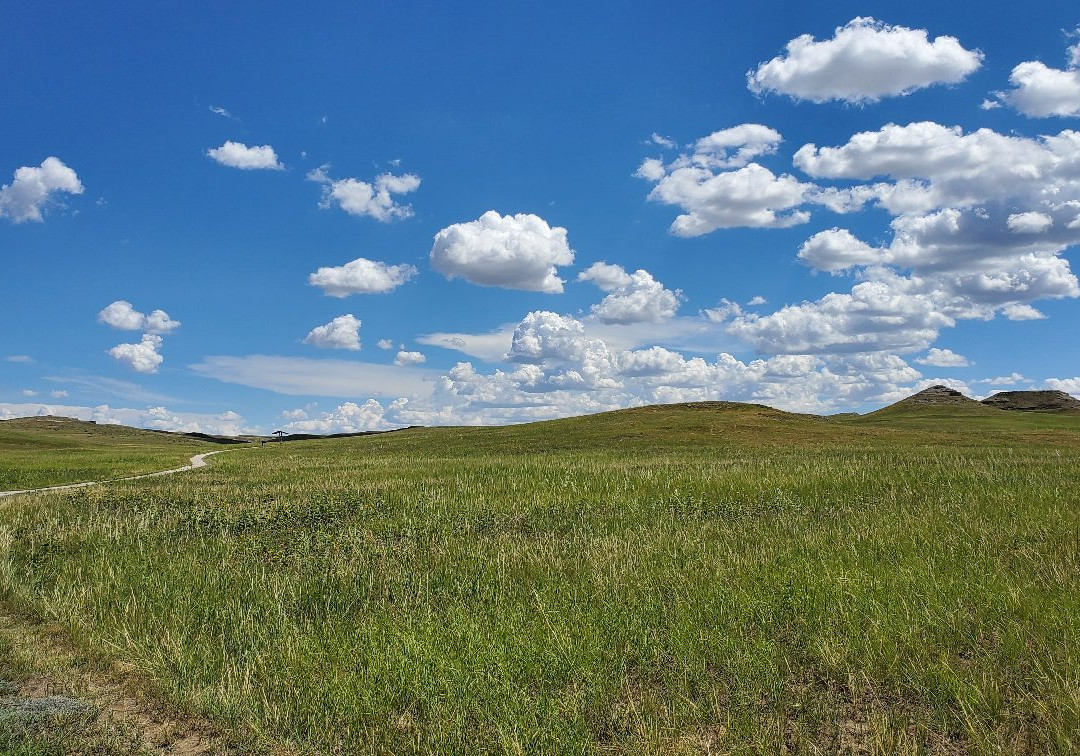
(1033, 401)
(938, 395)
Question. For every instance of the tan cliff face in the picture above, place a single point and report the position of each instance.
(1033, 401)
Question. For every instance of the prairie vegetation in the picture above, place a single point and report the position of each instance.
(693, 578)
(40, 451)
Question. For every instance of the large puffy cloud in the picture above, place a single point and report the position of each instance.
(887, 313)
(543, 335)
(891, 312)
(836, 249)
(968, 261)
(949, 240)
(864, 61)
(719, 186)
(751, 196)
(343, 332)
(121, 314)
(142, 357)
(239, 155)
(29, 193)
(511, 251)
(546, 339)
(361, 276)
(1039, 91)
(375, 199)
(632, 297)
(935, 166)
(982, 220)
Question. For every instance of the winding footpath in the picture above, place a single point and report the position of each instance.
(158, 728)
(199, 460)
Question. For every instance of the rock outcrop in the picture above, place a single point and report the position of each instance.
(939, 395)
(1033, 401)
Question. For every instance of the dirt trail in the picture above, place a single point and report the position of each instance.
(199, 460)
(115, 690)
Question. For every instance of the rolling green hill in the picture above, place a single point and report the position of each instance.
(679, 579)
(47, 451)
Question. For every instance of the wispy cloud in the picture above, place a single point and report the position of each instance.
(97, 385)
(217, 110)
(301, 376)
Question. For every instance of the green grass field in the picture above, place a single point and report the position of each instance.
(37, 452)
(685, 579)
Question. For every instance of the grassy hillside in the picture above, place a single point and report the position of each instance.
(47, 451)
(677, 579)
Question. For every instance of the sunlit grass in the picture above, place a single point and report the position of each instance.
(39, 452)
(661, 581)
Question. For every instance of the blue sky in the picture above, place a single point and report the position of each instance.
(552, 209)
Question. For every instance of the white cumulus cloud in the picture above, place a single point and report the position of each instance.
(343, 332)
(142, 357)
(361, 276)
(510, 251)
(884, 314)
(239, 155)
(121, 314)
(1068, 385)
(633, 297)
(409, 358)
(864, 61)
(29, 193)
(836, 249)
(374, 199)
(943, 358)
(751, 196)
(1029, 222)
(718, 185)
(1039, 91)
(1016, 311)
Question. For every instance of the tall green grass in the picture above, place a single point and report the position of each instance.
(714, 579)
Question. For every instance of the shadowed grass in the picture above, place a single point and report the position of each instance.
(658, 580)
